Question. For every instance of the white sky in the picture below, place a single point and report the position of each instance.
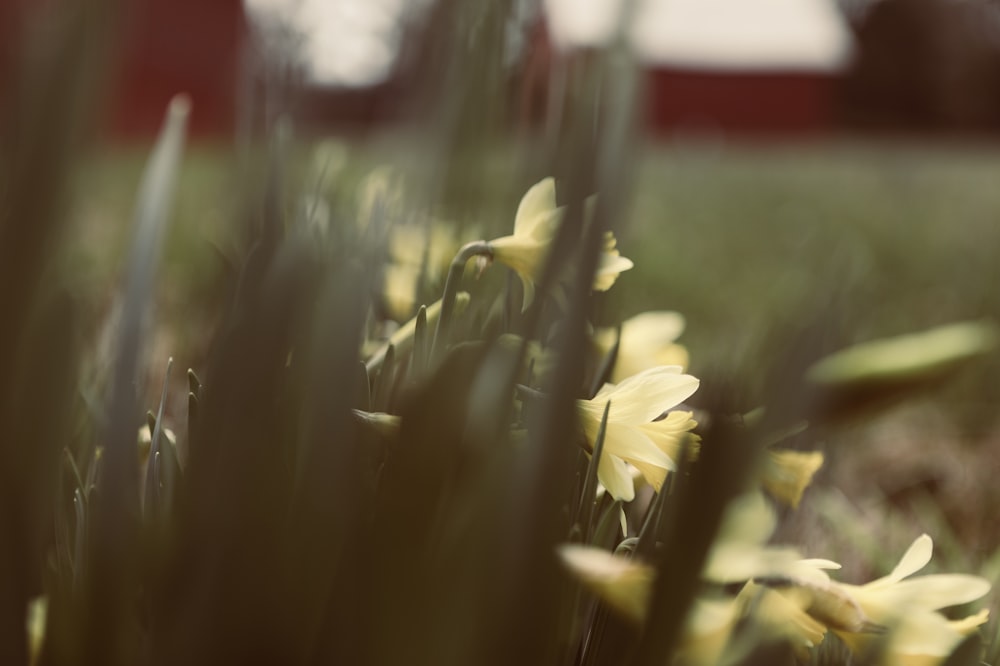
(354, 42)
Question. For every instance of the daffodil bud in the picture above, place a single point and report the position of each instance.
(788, 473)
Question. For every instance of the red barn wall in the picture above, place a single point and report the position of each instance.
(178, 46)
(743, 102)
(163, 47)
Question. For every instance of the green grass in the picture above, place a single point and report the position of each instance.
(747, 238)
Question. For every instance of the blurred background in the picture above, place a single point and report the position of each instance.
(718, 67)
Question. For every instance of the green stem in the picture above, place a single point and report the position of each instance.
(468, 251)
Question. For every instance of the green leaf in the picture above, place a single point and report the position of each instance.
(876, 374)
(585, 513)
(905, 359)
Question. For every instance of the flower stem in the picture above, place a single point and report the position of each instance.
(468, 251)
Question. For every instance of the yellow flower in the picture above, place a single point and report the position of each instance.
(739, 554)
(647, 339)
(632, 436)
(740, 551)
(611, 263)
(535, 226)
(908, 609)
(896, 613)
(400, 290)
(419, 254)
(621, 582)
(625, 584)
(787, 473)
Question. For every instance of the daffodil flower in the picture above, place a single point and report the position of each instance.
(419, 254)
(646, 340)
(787, 473)
(896, 613)
(621, 582)
(739, 554)
(633, 436)
(908, 608)
(535, 225)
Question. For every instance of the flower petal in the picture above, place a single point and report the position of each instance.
(614, 475)
(669, 433)
(542, 228)
(922, 634)
(611, 266)
(652, 330)
(916, 558)
(540, 199)
(787, 473)
(928, 592)
(629, 443)
(645, 396)
(528, 287)
(621, 582)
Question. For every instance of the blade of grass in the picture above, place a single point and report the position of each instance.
(152, 484)
(585, 513)
(115, 521)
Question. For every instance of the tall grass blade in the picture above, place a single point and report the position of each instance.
(113, 560)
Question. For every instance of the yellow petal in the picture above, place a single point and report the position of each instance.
(622, 583)
(400, 290)
(608, 270)
(920, 637)
(652, 329)
(647, 340)
(929, 592)
(782, 615)
(671, 432)
(788, 473)
(615, 476)
(629, 443)
(707, 631)
(643, 397)
(536, 203)
(916, 558)
(970, 623)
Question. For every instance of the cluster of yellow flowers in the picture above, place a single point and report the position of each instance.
(795, 600)
(640, 424)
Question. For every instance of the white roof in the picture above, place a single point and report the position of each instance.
(731, 35)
